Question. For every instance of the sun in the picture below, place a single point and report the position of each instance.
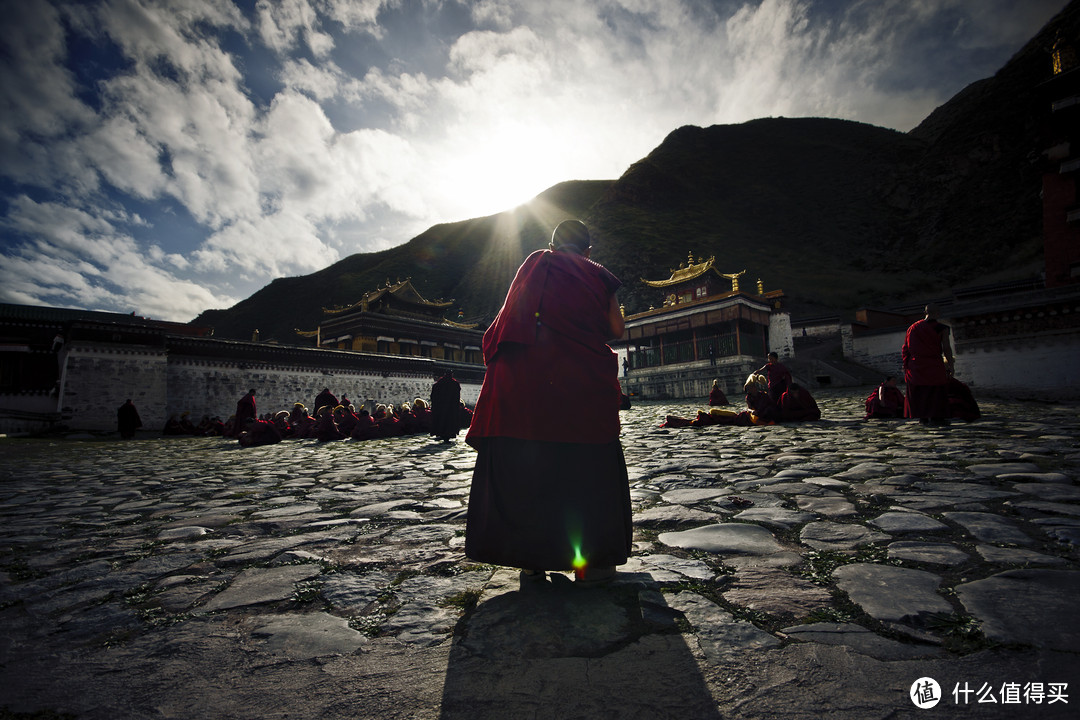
(506, 167)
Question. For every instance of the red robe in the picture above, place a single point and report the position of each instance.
(798, 405)
(717, 397)
(925, 373)
(550, 488)
(542, 360)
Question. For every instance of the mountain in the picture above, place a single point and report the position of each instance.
(838, 214)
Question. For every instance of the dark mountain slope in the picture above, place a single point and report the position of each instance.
(836, 213)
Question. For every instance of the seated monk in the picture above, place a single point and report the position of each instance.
(172, 426)
(886, 401)
(423, 415)
(258, 432)
(759, 401)
(797, 405)
(716, 395)
(345, 418)
(962, 403)
(365, 428)
(760, 410)
(409, 423)
(326, 429)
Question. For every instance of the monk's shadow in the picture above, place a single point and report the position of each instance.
(556, 650)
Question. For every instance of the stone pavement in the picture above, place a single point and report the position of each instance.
(786, 571)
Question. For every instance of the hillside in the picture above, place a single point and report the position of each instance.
(838, 214)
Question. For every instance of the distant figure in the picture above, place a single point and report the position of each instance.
(245, 412)
(127, 419)
(928, 365)
(779, 377)
(712, 356)
(325, 399)
(446, 407)
(886, 401)
(716, 395)
(962, 403)
(550, 488)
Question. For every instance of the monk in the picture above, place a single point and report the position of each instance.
(245, 411)
(962, 403)
(778, 375)
(928, 364)
(445, 407)
(886, 401)
(550, 488)
(716, 395)
(798, 405)
(127, 419)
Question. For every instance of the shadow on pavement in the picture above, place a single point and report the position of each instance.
(556, 650)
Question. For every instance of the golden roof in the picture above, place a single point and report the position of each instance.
(402, 290)
(685, 272)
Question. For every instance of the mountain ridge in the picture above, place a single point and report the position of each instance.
(839, 214)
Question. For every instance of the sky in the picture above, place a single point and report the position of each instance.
(164, 157)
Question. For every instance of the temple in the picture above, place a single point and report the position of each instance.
(706, 328)
(396, 320)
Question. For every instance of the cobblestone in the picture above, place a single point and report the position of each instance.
(784, 571)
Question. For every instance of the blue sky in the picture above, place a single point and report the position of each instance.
(164, 157)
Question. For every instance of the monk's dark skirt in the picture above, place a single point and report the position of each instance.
(538, 505)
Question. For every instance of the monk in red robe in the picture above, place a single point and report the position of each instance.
(245, 412)
(886, 401)
(928, 365)
(798, 405)
(778, 375)
(550, 488)
(716, 395)
(445, 407)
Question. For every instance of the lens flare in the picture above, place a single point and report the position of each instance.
(579, 562)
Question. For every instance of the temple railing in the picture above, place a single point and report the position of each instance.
(688, 351)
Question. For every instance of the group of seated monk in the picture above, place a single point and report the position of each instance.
(795, 405)
(888, 402)
(339, 422)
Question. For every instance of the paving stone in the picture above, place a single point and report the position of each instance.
(718, 634)
(776, 517)
(861, 641)
(673, 515)
(1017, 556)
(725, 539)
(990, 528)
(927, 552)
(999, 469)
(306, 636)
(1050, 491)
(1029, 607)
(777, 592)
(668, 568)
(901, 522)
(827, 535)
(261, 585)
(890, 593)
(835, 506)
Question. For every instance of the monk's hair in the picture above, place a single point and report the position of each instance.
(572, 235)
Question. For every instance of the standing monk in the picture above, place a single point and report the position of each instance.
(245, 410)
(446, 407)
(127, 419)
(550, 488)
(928, 365)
